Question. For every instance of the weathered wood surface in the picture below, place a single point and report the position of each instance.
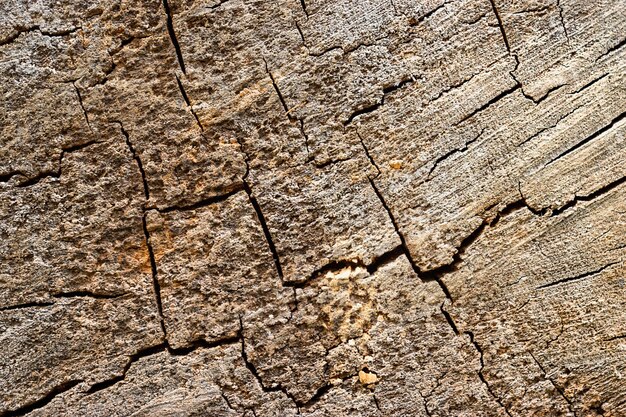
(313, 207)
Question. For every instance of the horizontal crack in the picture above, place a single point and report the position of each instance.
(53, 174)
(27, 305)
(202, 203)
(577, 277)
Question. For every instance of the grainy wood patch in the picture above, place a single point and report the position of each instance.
(313, 207)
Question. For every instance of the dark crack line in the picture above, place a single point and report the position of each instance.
(87, 294)
(427, 15)
(612, 49)
(589, 197)
(424, 276)
(540, 131)
(577, 277)
(304, 9)
(405, 248)
(301, 35)
(558, 4)
(266, 229)
(337, 265)
(449, 318)
(135, 155)
(290, 117)
(280, 95)
(259, 213)
(277, 387)
(27, 305)
(488, 104)
(202, 203)
(172, 33)
(42, 402)
(37, 28)
(153, 350)
(99, 386)
(7, 177)
(80, 101)
(557, 387)
(589, 84)
(501, 25)
(367, 153)
(451, 153)
(250, 366)
(34, 180)
(155, 278)
(589, 138)
(215, 6)
(481, 375)
(188, 102)
(611, 339)
(375, 106)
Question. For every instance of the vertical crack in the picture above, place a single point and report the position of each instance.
(155, 279)
(80, 101)
(482, 376)
(430, 276)
(172, 33)
(304, 9)
(559, 389)
(250, 366)
(137, 159)
(188, 102)
(558, 4)
(266, 230)
(501, 25)
(259, 213)
(286, 108)
(367, 153)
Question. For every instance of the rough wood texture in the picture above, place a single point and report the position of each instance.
(313, 207)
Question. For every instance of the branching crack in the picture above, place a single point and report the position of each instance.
(34, 180)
